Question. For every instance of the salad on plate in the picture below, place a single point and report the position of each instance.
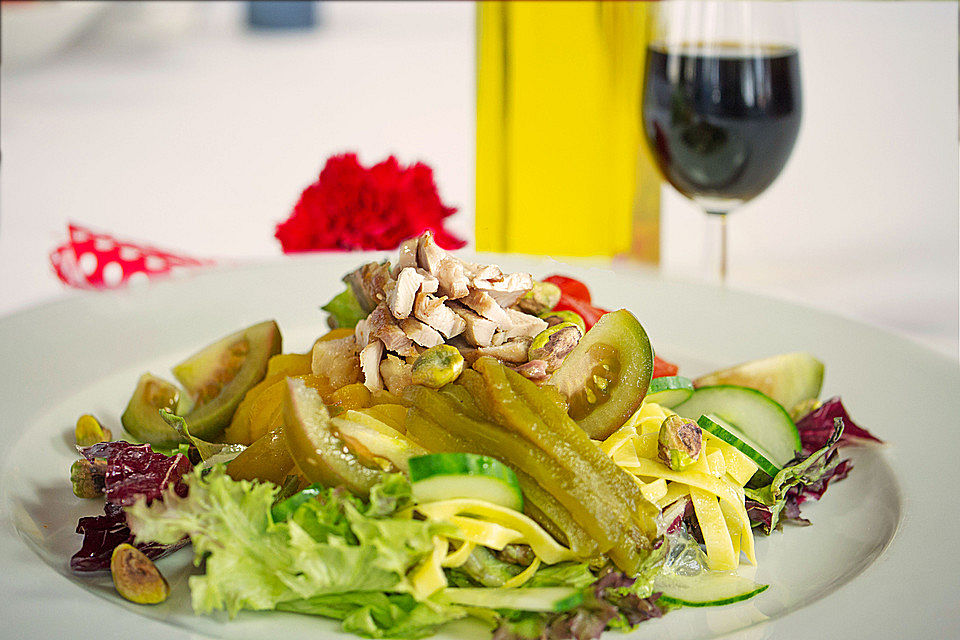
(461, 443)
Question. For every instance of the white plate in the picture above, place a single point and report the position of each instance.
(880, 560)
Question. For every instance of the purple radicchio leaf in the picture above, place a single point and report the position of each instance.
(803, 478)
(610, 602)
(102, 534)
(817, 426)
(131, 471)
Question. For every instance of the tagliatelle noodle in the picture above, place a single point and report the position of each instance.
(720, 471)
(716, 534)
(523, 576)
(675, 491)
(458, 557)
(486, 534)
(486, 513)
(428, 577)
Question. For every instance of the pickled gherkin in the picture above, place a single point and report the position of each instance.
(538, 503)
(572, 488)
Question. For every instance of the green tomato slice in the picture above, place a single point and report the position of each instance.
(606, 376)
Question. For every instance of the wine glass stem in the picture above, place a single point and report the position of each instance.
(717, 245)
(723, 249)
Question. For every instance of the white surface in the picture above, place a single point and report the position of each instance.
(844, 572)
(198, 136)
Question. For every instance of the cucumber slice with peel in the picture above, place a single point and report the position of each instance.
(669, 391)
(554, 599)
(741, 442)
(708, 589)
(763, 422)
(788, 378)
(447, 476)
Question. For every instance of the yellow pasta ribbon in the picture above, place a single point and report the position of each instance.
(542, 543)
(523, 576)
(487, 534)
(675, 491)
(428, 577)
(458, 557)
(716, 462)
(716, 534)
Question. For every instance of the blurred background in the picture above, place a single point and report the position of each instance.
(185, 126)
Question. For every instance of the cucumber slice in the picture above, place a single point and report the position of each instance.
(532, 599)
(706, 589)
(447, 476)
(669, 391)
(788, 378)
(741, 442)
(762, 420)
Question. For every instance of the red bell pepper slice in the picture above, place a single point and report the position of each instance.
(663, 368)
(570, 287)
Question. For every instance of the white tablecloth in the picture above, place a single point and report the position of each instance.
(175, 125)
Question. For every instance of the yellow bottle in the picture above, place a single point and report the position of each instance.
(560, 165)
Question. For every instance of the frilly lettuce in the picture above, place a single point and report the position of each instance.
(333, 545)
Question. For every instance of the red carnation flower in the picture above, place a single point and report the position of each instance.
(351, 207)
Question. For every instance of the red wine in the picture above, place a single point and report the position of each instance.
(721, 122)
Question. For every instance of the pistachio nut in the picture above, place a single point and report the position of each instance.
(437, 366)
(543, 297)
(88, 478)
(679, 442)
(136, 577)
(556, 317)
(89, 431)
(554, 343)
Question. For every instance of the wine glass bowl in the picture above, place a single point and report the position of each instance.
(722, 100)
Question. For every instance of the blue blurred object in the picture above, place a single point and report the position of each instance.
(290, 14)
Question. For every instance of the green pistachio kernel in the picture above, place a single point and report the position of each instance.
(437, 366)
(136, 577)
(556, 317)
(554, 343)
(543, 297)
(89, 431)
(87, 478)
(679, 442)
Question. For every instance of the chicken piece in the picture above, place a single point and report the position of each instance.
(430, 283)
(336, 360)
(454, 283)
(429, 253)
(524, 325)
(424, 335)
(361, 333)
(448, 270)
(514, 351)
(507, 289)
(368, 283)
(407, 257)
(487, 307)
(431, 310)
(381, 324)
(535, 370)
(402, 292)
(370, 365)
(478, 331)
(482, 271)
(468, 351)
(396, 374)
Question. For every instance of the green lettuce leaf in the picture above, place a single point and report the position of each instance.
(328, 546)
(210, 453)
(378, 614)
(344, 310)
